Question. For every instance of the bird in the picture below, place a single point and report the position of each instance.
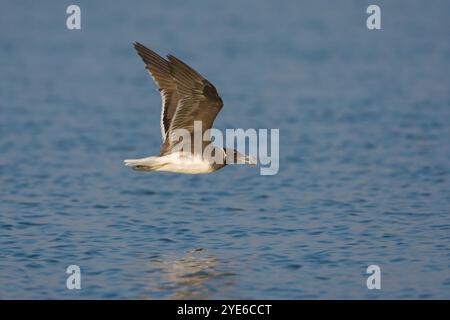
(187, 98)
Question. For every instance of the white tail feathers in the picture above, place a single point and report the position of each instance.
(144, 164)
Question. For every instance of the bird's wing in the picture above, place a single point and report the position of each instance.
(159, 69)
(198, 99)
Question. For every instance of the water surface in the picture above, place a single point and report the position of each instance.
(364, 152)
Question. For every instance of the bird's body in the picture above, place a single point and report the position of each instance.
(187, 97)
(179, 162)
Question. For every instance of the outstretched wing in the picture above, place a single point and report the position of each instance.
(159, 70)
(198, 99)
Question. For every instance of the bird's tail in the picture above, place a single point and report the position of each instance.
(144, 164)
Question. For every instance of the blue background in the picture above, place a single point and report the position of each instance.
(364, 151)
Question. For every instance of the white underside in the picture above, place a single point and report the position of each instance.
(176, 162)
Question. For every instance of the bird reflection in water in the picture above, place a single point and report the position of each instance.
(196, 275)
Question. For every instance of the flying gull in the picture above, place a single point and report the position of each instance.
(187, 97)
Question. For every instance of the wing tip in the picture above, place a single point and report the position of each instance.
(139, 46)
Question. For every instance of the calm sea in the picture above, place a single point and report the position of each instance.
(364, 172)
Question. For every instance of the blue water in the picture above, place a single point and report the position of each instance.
(364, 151)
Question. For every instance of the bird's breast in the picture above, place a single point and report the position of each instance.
(180, 163)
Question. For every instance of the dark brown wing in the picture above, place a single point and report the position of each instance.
(198, 99)
(159, 69)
